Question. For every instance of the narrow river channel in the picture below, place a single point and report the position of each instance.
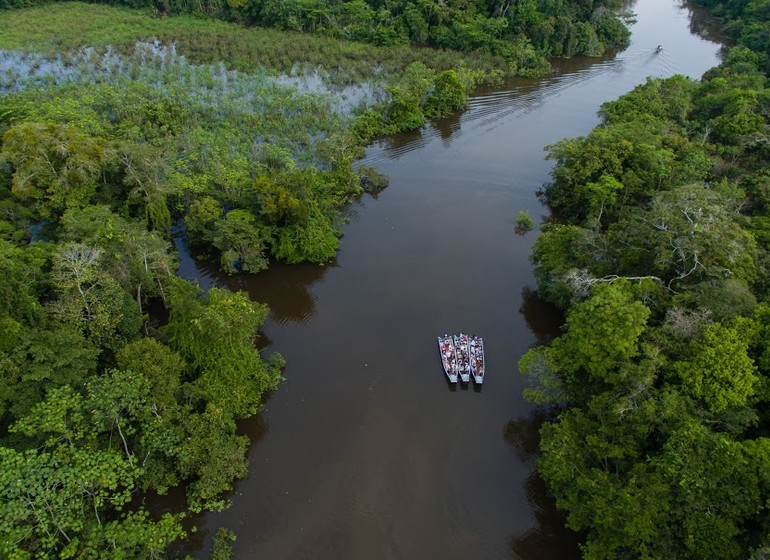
(365, 452)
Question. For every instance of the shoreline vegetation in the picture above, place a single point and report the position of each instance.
(117, 125)
(658, 442)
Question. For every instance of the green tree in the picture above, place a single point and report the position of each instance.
(58, 166)
(91, 300)
(687, 234)
(162, 367)
(143, 168)
(446, 96)
(20, 268)
(45, 514)
(599, 348)
(590, 461)
(39, 360)
(241, 242)
(70, 499)
(201, 219)
(139, 260)
(215, 334)
(714, 491)
(720, 372)
(212, 456)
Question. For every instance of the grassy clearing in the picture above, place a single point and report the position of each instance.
(66, 26)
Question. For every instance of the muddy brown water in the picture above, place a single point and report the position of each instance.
(365, 452)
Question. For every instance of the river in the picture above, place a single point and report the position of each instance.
(364, 451)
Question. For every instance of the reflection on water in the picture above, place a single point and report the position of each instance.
(703, 24)
(543, 318)
(523, 435)
(446, 127)
(286, 289)
(545, 539)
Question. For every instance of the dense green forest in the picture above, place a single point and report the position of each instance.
(659, 252)
(121, 128)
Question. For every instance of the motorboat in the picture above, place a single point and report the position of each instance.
(462, 343)
(448, 353)
(477, 359)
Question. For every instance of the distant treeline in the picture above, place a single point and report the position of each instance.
(557, 28)
(659, 252)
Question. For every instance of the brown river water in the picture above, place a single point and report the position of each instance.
(364, 451)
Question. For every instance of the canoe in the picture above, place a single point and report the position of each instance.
(462, 343)
(446, 349)
(477, 358)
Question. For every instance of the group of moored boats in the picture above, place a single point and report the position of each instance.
(462, 356)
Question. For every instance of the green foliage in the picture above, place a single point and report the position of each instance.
(561, 249)
(599, 349)
(161, 366)
(144, 166)
(372, 181)
(524, 222)
(447, 95)
(241, 243)
(75, 487)
(688, 234)
(141, 261)
(621, 164)
(58, 166)
(747, 23)
(157, 163)
(669, 99)
(20, 269)
(40, 360)
(316, 240)
(44, 513)
(133, 535)
(714, 487)
(222, 549)
(89, 299)
(202, 218)
(214, 455)
(603, 332)
(215, 334)
(720, 373)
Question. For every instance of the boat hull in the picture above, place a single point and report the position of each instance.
(477, 362)
(463, 357)
(448, 355)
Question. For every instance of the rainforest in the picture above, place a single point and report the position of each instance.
(237, 129)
